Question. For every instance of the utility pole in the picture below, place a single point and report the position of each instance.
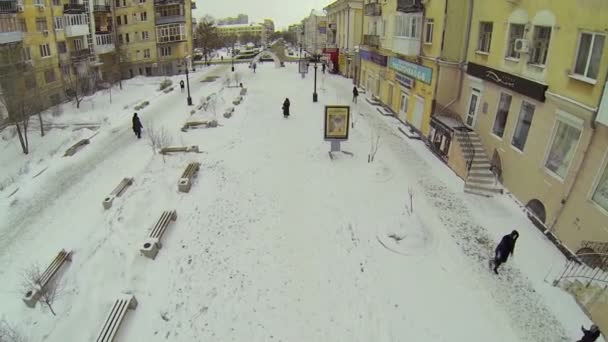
(314, 94)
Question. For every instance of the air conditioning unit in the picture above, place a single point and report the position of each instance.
(522, 45)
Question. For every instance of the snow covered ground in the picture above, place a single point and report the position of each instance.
(275, 242)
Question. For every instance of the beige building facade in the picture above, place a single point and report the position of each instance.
(345, 20)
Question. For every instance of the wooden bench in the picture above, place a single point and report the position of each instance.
(115, 317)
(153, 243)
(193, 148)
(185, 181)
(32, 296)
(117, 192)
(72, 150)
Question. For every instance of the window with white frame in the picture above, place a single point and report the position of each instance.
(428, 30)
(41, 25)
(143, 16)
(485, 36)
(408, 26)
(516, 31)
(165, 51)
(563, 147)
(145, 35)
(589, 54)
(58, 23)
(78, 44)
(45, 50)
(600, 193)
(502, 113)
(540, 45)
(146, 53)
(27, 55)
(524, 122)
(170, 33)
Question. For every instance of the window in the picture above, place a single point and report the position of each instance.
(485, 36)
(407, 26)
(146, 53)
(49, 76)
(589, 55)
(565, 140)
(127, 38)
(58, 21)
(56, 2)
(118, 21)
(523, 125)
(45, 50)
(145, 35)
(516, 31)
(142, 1)
(143, 16)
(165, 51)
(600, 194)
(61, 47)
(26, 54)
(170, 33)
(501, 115)
(428, 31)
(540, 45)
(65, 69)
(125, 21)
(41, 25)
(78, 45)
(117, 3)
(124, 3)
(120, 38)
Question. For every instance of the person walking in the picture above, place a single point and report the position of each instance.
(181, 85)
(323, 67)
(504, 249)
(355, 94)
(590, 335)
(286, 105)
(137, 126)
(254, 67)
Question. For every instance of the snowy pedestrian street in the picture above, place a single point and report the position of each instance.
(274, 241)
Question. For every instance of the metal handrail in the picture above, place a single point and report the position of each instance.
(576, 268)
(468, 145)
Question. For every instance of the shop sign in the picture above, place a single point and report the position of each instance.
(518, 84)
(416, 71)
(373, 57)
(405, 81)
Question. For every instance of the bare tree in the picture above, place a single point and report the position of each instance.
(158, 137)
(80, 83)
(9, 334)
(48, 293)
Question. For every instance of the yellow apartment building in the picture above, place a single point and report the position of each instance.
(239, 29)
(345, 23)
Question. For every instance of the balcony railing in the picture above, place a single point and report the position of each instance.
(104, 43)
(409, 6)
(101, 7)
(406, 46)
(372, 40)
(168, 2)
(73, 8)
(170, 19)
(10, 31)
(76, 25)
(80, 54)
(373, 9)
(10, 6)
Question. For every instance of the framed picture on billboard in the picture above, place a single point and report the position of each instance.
(337, 122)
(302, 67)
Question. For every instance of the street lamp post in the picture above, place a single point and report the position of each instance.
(232, 56)
(188, 84)
(314, 94)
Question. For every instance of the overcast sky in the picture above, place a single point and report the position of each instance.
(282, 12)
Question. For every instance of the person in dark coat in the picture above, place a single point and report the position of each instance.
(137, 126)
(254, 66)
(590, 335)
(181, 85)
(504, 249)
(355, 94)
(323, 68)
(286, 105)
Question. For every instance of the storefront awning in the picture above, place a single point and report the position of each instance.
(447, 122)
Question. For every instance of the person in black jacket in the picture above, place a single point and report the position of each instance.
(286, 105)
(181, 85)
(355, 94)
(504, 248)
(137, 126)
(590, 335)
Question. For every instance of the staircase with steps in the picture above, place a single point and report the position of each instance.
(480, 180)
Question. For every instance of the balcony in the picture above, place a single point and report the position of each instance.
(101, 7)
(10, 6)
(76, 25)
(73, 8)
(168, 2)
(170, 19)
(171, 33)
(372, 40)
(373, 9)
(80, 55)
(10, 31)
(104, 43)
(409, 6)
(406, 46)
